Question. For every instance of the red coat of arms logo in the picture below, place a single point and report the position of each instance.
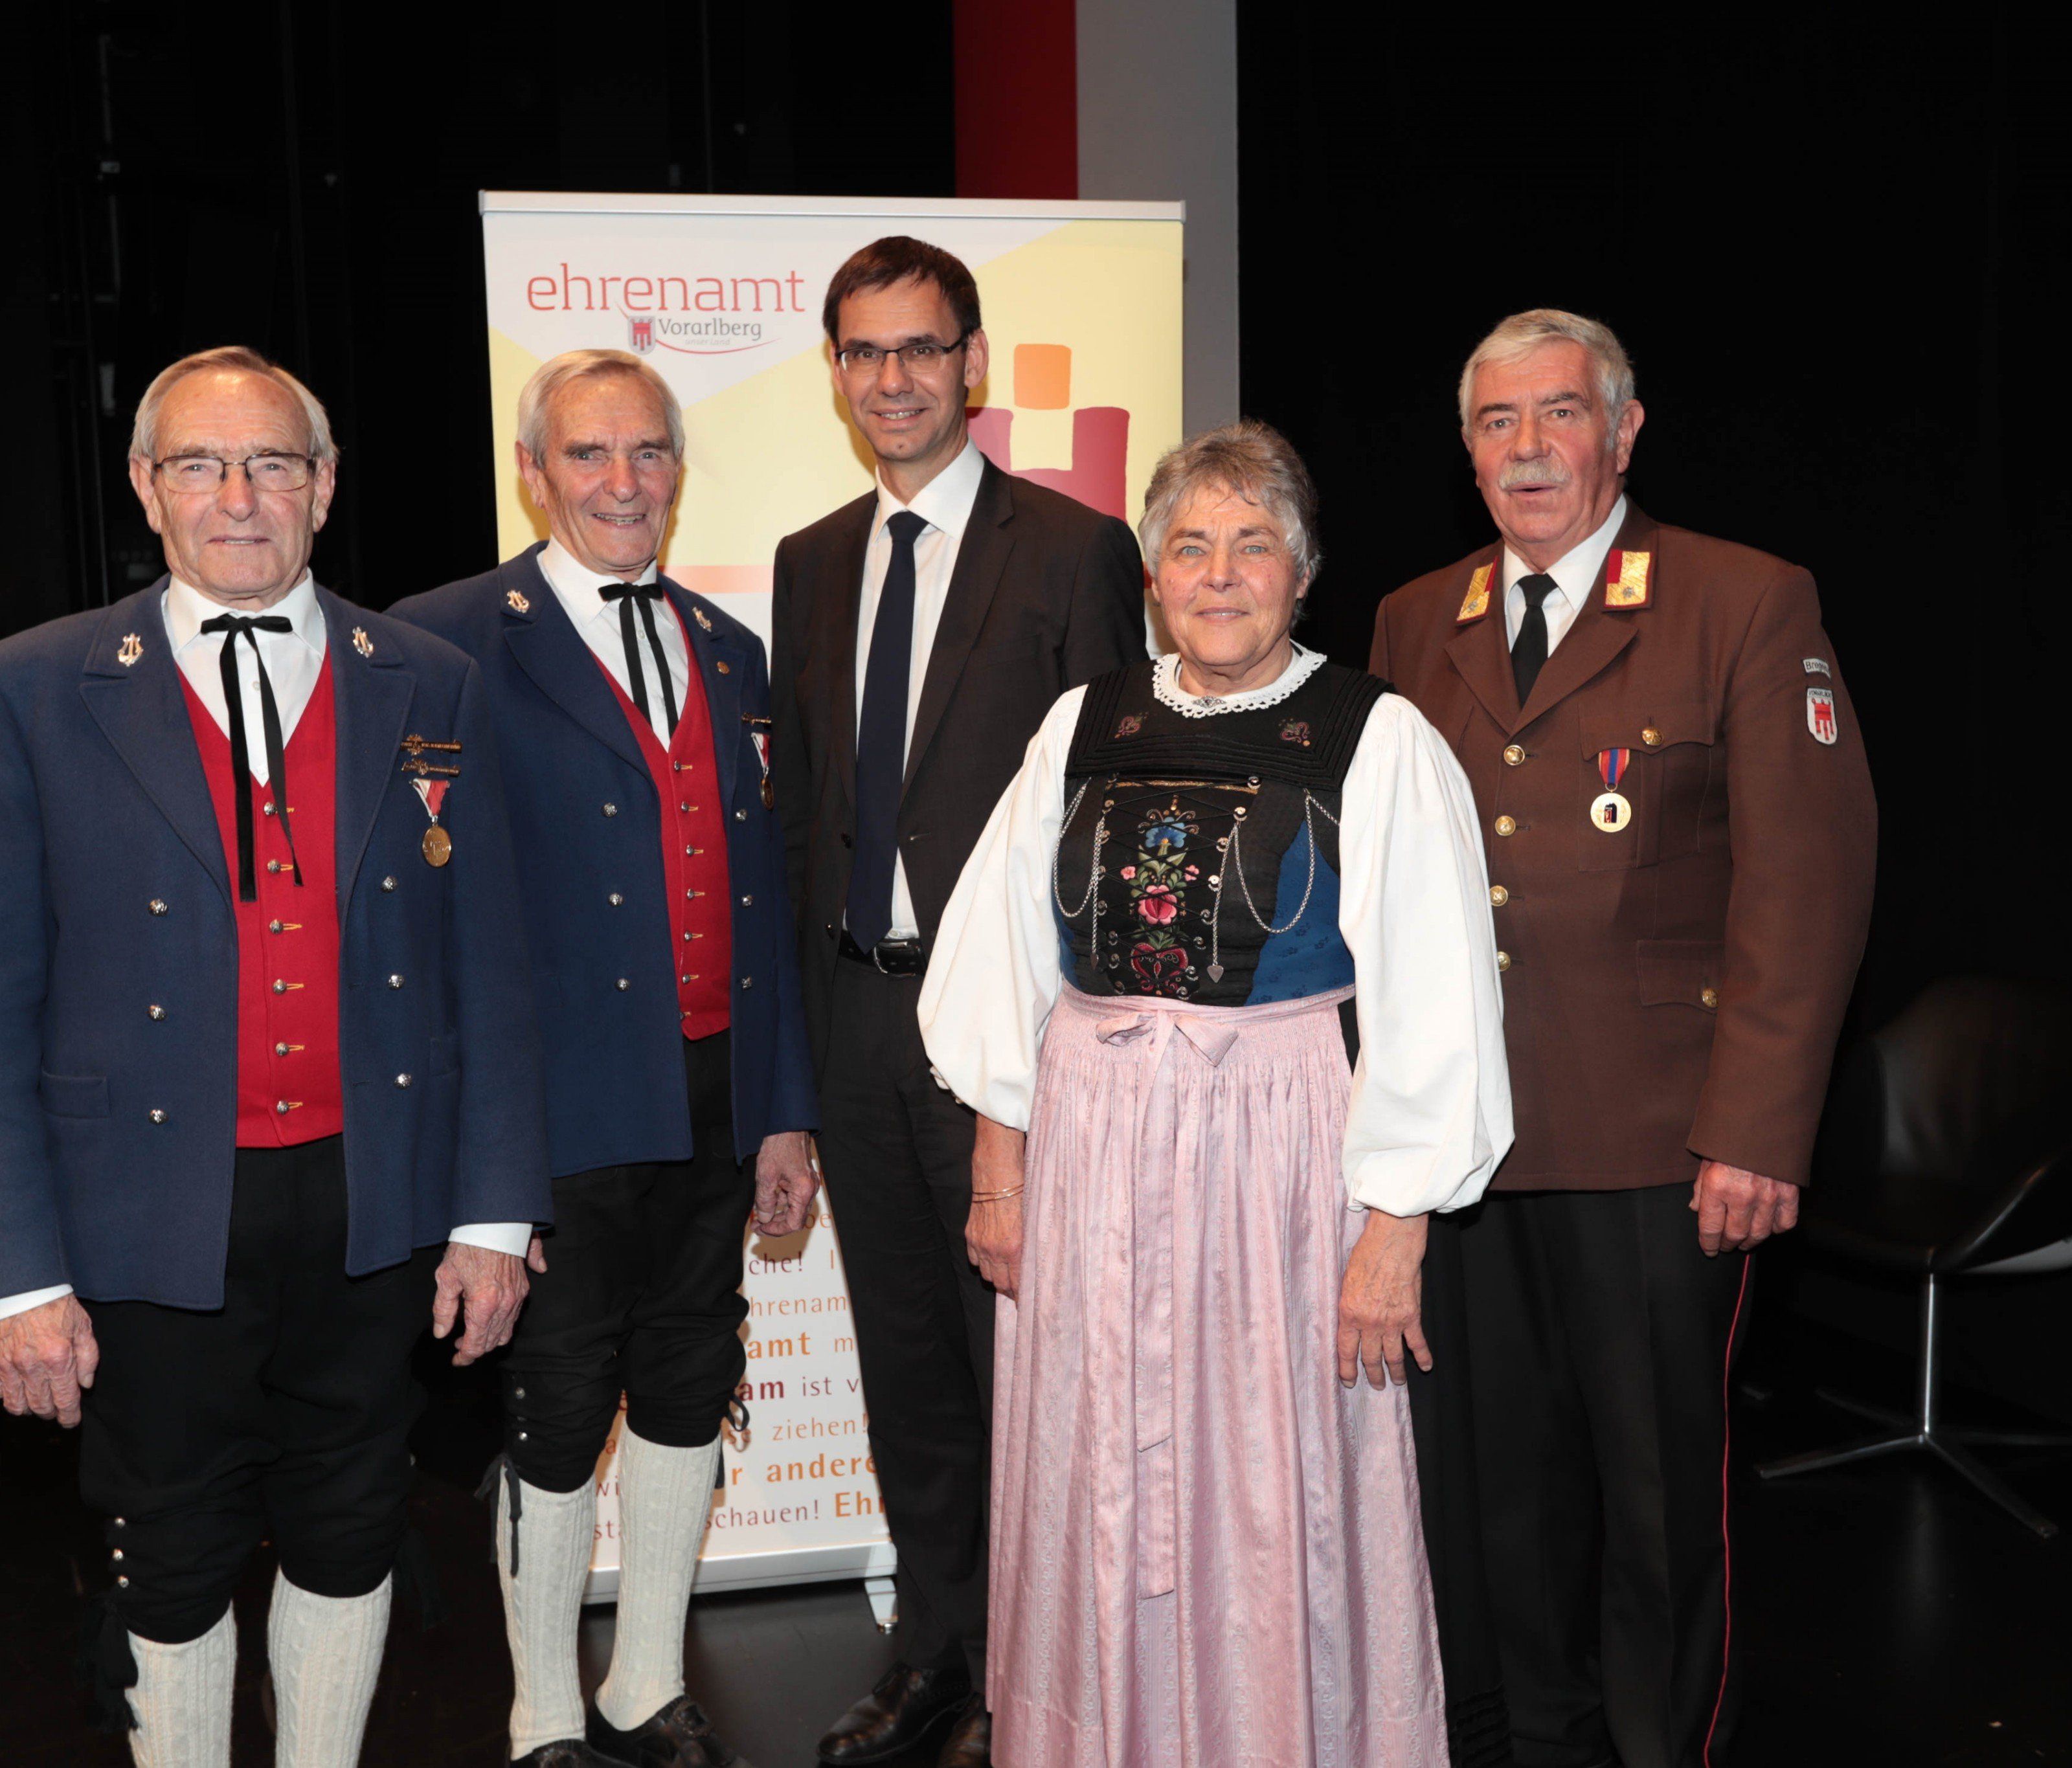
(643, 332)
(1820, 714)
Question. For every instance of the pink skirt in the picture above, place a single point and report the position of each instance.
(1205, 1550)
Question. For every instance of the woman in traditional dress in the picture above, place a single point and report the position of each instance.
(1216, 876)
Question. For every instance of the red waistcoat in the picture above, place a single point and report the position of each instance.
(289, 1088)
(686, 779)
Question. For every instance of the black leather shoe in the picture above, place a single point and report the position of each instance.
(679, 1735)
(905, 1705)
(566, 1753)
(969, 1743)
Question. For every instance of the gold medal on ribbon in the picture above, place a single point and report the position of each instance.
(758, 734)
(437, 845)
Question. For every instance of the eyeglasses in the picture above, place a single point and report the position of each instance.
(917, 357)
(207, 472)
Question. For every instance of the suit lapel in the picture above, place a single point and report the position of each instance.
(372, 694)
(844, 601)
(1480, 654)
(719, 665)
(1597, 635)
(981, 557)
(548, 648)
(141, 709)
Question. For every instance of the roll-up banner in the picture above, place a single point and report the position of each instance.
(1082, 305)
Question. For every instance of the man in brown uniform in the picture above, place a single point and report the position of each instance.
(1681, 834)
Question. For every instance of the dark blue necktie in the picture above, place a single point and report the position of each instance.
(880, 740)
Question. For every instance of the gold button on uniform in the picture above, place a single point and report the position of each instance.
(1513, 755)
(1709, 997)
(1506, 825)
(1503, 960)
(1651, 737)
(1499, 896)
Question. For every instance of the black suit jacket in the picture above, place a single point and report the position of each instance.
(1046, 594)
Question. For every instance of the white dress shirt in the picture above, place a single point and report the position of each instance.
(599, 623)
(1430, 1113)
(294, 663)
(1578, 574)
(945, 504)
(294, 659)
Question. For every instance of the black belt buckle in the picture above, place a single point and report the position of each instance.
(888, 957)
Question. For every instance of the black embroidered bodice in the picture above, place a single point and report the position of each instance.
(1199, 856)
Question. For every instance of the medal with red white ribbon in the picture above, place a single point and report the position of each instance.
(759, 734)
(437, 845)
(1609, 812)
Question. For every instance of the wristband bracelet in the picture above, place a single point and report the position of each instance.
(995, 1197)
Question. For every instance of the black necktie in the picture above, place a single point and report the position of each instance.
(233, 627)
(1529, 651)
(645, 596)
(880, 740)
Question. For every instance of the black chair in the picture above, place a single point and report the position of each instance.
(1946, 1152)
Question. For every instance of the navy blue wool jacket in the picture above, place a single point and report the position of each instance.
(118, 1129)
(592, 884)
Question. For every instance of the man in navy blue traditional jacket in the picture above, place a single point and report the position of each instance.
(634, 718)
(266, 1044)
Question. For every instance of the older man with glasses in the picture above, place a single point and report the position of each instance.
(264, 1045)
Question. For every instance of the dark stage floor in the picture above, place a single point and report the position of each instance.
(1888, 1615)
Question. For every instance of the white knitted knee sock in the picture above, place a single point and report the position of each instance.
(326, 1652)
(555, 1532)
(181, 1700)
(663, 1497)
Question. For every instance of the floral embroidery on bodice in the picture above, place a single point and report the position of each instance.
(1198, 859)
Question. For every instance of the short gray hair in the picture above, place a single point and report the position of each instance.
(536, 402)
(1252, 459)
(1523, 333)
(235, 357)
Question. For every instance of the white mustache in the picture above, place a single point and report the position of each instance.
(1532, 472)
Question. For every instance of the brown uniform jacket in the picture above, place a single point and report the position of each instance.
(1673, 990)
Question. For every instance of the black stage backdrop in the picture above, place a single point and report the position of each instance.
(1836, 257)
(303, 177)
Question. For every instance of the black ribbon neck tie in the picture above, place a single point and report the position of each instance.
(644, 596)
(880, 740)
(233, 627)
(1529, 651)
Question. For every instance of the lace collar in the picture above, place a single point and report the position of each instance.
(1165, 685)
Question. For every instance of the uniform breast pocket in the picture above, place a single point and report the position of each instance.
(1648, 804)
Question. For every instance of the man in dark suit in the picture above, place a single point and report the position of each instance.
(920, 634)
(1681, 835)
(635, 722)
(263, 1048)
